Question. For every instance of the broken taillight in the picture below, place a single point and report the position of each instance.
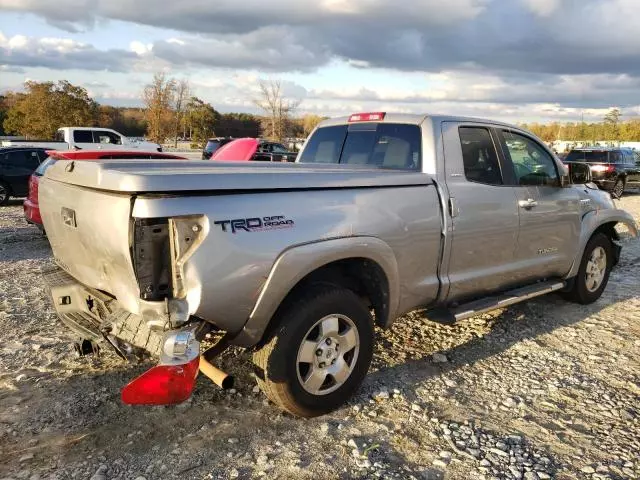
(162, 385)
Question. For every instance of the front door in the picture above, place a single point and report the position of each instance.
(484, 212)
(550, 218)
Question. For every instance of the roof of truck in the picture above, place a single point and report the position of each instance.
(415, 119)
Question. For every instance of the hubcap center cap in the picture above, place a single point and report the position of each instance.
(327, 352)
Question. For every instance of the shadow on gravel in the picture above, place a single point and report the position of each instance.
(517, 323)
(25, 242)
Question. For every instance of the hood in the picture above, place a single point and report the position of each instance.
(240, 150)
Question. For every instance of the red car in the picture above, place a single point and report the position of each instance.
(252, 149)
(31, 209)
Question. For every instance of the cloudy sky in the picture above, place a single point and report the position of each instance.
(517, 60)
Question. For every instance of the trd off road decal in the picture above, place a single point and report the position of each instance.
(255, 224)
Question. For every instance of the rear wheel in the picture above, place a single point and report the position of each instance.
(618, 188)
(5, 193)
(594, 271)
(320, 353)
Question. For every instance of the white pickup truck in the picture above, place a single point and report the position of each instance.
(86, 138)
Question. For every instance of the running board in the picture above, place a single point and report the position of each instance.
(449, 316)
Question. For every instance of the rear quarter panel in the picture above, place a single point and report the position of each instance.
(226, 274)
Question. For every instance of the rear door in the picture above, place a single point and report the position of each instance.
(484, 212)
(550, 217)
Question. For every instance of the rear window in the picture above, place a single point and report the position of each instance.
(212, 146)
(588, 156)
(43, 166)
(385, 145)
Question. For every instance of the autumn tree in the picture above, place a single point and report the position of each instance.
(278, 110)
(201, 117)
(181, 97)
(159, 97)
(612, 121)
(309, 122)
(4, 109)
(44, 107)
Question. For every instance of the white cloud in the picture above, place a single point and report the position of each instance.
(140, 48)
(60, 53)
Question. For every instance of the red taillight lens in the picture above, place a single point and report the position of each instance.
(162, 385)
(367, 117)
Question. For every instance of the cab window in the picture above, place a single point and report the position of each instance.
(479, 156)
(82, 136)
(532, 164)
(104, 137)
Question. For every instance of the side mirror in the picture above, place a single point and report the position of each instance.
(579, 173)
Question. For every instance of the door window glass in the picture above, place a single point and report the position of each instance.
(532, 164)
(82, 136)
(104, 137)
(479, 156)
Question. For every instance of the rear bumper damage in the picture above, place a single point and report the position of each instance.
(93, 316)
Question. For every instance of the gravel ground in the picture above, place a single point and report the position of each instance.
(544, 389)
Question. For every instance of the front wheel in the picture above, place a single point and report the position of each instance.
(594, 271)
(319, 354)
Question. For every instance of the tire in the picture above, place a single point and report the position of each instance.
(5, 193)
(583, 290)
(281, 372)
(618, 188)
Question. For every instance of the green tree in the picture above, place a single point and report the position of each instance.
(201, 118)
(46, 106)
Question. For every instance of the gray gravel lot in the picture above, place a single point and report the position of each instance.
(544, 389)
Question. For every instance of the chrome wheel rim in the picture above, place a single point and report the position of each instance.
(327, 354)
(618, 188)
(596, 268)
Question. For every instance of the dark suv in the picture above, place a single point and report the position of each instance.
(612, 169)
(212, 145)
(16, 166)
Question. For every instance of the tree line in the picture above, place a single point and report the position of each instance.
(611, 129)
(170, 113)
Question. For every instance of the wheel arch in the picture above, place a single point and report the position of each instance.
(365, 265)
(601, 221)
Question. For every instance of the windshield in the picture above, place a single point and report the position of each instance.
(43, 166)
(588, 156)
(212, 146)
(385, 145)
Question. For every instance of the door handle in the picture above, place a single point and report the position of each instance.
(528, 203)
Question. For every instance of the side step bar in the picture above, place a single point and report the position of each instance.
(467, 310)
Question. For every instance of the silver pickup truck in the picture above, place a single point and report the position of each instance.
(381, 214)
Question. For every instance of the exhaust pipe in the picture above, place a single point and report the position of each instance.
(217, 376)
